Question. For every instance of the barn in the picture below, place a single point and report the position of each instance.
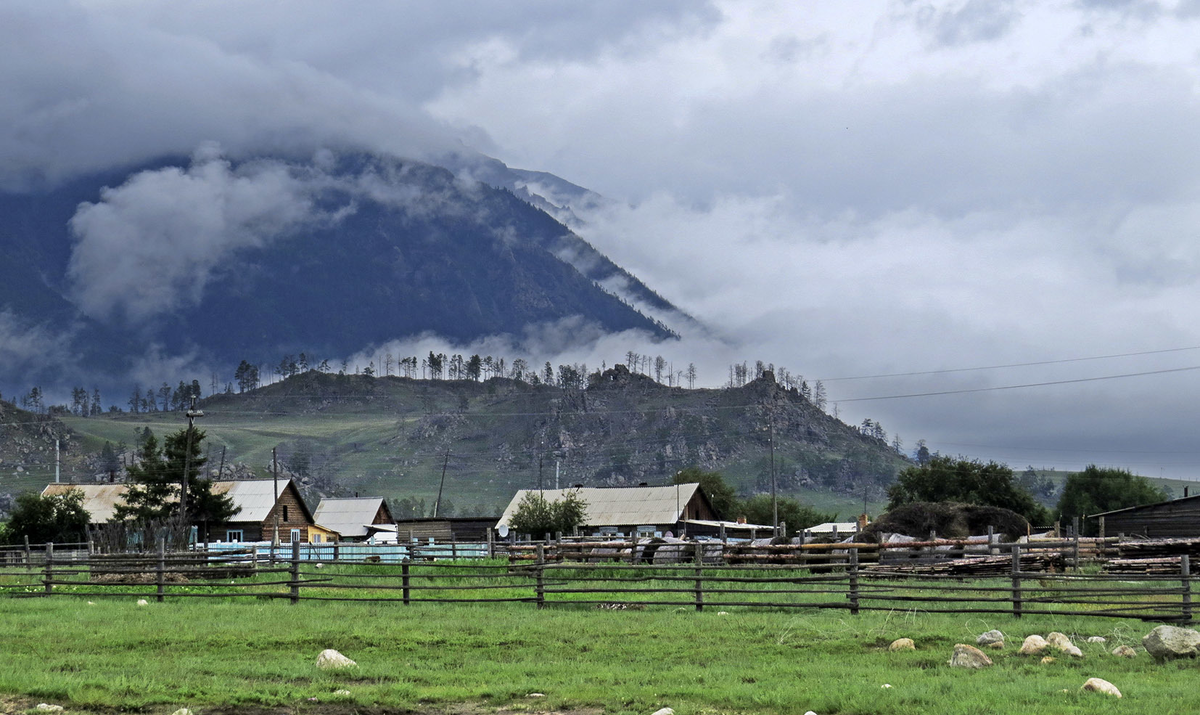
(1177, 518)
(446, 528)
(620, 511)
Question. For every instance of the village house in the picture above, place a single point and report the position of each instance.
(621, 511)
(255, 522)
(354, 518)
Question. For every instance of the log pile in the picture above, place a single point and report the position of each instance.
(1165, 565)
(1158, 548)
(981, 566)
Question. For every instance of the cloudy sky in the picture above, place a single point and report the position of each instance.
(846, 188)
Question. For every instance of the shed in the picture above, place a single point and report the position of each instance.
(1177, 518)
(624, 510)
(446, 528)
(352, 517)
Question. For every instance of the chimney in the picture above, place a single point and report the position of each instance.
(1185, 492)
(643, 484)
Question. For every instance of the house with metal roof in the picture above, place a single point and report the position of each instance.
(256, 498)
(613, 511)
(1175, 518)
(353, 518)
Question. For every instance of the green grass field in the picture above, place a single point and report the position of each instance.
(440, 658)
(257, 655)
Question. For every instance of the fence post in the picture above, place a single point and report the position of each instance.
(539, 570)
(991, 539)
(853, 572)
(295, 572)
(491, 543)
(160, 568)
(1101, 527)
(699, 576)
(1016, 580)
(1075, 546)
(28, 556)
(453, 550)
(1185, 572)
(633, 558)
(404, 579)
(49, 567)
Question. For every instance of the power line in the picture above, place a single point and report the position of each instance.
(1001, 367)
(1017, 387)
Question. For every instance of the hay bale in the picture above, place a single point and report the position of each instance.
(951, 520)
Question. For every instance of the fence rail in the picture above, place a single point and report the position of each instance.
(850, 577)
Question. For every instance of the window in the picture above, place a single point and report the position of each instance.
(316, 538)
(285, 516)
(233, 535)
(294, 536)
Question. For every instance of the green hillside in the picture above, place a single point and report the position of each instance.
(391, 436)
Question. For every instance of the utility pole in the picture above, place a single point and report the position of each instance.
(56, 461)
(556, 472)
(221, 469)
(438, 503)
(192, 414)
(275, 476)
(539, 472)
(774, 499)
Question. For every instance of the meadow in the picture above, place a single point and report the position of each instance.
(257, 656)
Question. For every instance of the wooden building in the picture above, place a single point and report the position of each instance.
(1177, 518)
(255, 497)
(620, 511)
(353, 518)
(445, 528)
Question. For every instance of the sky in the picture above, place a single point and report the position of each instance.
(846, 189)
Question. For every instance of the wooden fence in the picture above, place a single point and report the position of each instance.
(849, 577)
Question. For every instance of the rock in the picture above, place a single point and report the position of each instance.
(143, 602)
(1034, 645)
(1097, 639)
(182, 711)
(48, 708)
(1168, 642)
(722, 613)
(1048, 660)
(990, 637)
(318, 565)
(91, 603)
(996, 645)
(966, 656)
(1099, 685)
(1124, 651)
(343, 693)
(663, 711)
(1072, 650)
(902, 644)
(536, 695)
(1058, 640)
(330, 659)
(886, 686)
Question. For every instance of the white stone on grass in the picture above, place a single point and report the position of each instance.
(902, 644)
(1097, 639)
(1168, 642)
(343, 693)
(536, 695)
(990, 637)
(182, 711)
(48, 708)
(143, 602)
(886, 686)
(1073, 650)
(1099, 685)
(330, 659)
(1124, 651)
(1058, 640)
(967, 656)
(663, 711)
(1034, 645)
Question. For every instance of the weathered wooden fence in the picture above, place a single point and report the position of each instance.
(834, 576)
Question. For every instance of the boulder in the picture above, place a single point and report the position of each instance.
(1058, 640)
(182, 711)
(1099, 685)
(990, 637)
(902, 644)
(1097, 639)
(1072, 650)
(967, 656)
(663, 711)
(1169, 642)
(143, 602)
(997, 645)
(1124, 651)
(48, 708)
(1034, 645)
(330, 659)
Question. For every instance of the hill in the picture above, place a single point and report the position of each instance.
(392, 436)
(27, 451)
(213, 261)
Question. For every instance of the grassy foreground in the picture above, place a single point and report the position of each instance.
(438, 657)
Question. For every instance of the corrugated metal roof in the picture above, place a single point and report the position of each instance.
(255, 497)
(348, 517)
(1143, 506)
(843, 527)
(99, 500)
(620, 506)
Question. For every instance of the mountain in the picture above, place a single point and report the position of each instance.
(391, 436)
(220, 260)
